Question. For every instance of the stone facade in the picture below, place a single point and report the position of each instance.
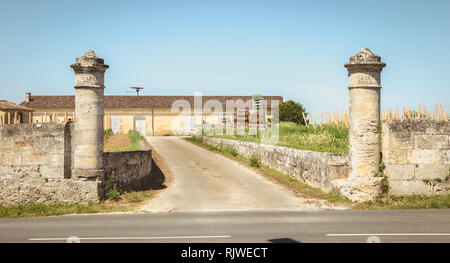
(317, 169)
(416, 154)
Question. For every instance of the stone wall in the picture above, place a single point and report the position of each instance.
(36, 161)
(127, 170)
(416, 154)
(317, 169)
(33, 166)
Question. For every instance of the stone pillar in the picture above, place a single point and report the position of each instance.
(364, 125)
(88, 130)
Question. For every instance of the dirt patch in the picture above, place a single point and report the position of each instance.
(117, 142)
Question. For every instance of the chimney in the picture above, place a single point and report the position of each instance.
(27, 97)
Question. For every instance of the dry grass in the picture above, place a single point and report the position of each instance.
(117, 142)
(127, 202)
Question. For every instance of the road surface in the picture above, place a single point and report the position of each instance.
(206, 181)
(236, 226)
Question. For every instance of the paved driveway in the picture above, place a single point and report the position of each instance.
(206, 181)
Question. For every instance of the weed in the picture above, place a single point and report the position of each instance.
(134, 197)
(113, 194)
(427, 181)
(254, 161)
(106, 134)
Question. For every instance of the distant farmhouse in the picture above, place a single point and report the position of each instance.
(149, 115)
(11, 113)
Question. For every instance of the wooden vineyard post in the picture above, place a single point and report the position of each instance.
(437, 113)
(318, 118)
(304, 118)
(418, 111)
(312, 121)
(444, 113)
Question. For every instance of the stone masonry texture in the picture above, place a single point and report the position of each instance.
(36, 164)
(364, 126)
(89, 114)
(34, 167)
(416, 154)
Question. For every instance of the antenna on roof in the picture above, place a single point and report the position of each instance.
(137, 89)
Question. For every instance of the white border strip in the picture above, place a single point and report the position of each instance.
(128, 238)
(389, 234)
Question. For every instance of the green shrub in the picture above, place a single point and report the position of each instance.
(292, 111)
(135, 137)
(230, 150)
(254, 161)
(113, 194)
(106, 134)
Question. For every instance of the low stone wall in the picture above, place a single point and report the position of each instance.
(127, 170)
(317, 169)
(33, 167)
(417, 156)
(36, 161)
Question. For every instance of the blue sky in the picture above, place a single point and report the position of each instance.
(296, 49)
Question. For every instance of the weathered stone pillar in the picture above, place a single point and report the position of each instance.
(364, 125)
(88, 131)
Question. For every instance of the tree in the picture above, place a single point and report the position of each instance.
(292, 111)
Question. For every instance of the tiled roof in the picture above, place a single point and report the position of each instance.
(6, 105)
(111, 102)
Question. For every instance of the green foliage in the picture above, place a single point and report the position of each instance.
(427, 181)
(292, 111)
(385, 186)
(254, 161)
(230, 150)
(381, 166)
(113, 194)
(135, 137)
(329, 138)
(106, 134)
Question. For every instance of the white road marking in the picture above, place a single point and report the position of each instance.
(389, 234)
(127, 238)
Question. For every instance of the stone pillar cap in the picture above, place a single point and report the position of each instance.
(90, 59)
(365, 60)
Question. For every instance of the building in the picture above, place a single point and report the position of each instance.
(11, 113)
(153, 115)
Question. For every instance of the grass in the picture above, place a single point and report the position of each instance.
(125, 202)
(123, 142)
(385, 202)
(328, 138)
(106, 134)
(407, 202)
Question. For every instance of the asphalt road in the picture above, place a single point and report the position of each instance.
(235, 226)
(206, 181)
